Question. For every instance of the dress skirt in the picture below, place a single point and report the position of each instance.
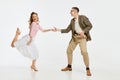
(29, 51)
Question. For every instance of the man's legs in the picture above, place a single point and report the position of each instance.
(72, 45)
(83, 48)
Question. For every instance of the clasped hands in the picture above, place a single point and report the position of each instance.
(55, 29)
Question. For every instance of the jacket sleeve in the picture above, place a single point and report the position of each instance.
(87, 24)
(67, 29)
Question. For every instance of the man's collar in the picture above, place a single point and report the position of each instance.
(76, 18)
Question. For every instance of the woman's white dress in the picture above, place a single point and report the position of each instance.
(29, 51)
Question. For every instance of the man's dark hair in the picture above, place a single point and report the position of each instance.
(76, 8)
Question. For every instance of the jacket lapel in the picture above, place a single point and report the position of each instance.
(80, 22)
(73, 24)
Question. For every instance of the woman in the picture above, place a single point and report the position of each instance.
(26, 44)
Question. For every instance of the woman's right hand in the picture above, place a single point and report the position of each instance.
(29, 42)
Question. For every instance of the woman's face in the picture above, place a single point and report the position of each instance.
(34, 18)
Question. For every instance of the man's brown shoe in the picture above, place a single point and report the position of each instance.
(66, 69)
(88, 73)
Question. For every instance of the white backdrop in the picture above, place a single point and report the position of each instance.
(103, 14)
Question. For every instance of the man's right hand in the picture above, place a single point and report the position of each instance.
(55, 29)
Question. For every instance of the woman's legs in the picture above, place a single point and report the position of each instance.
(33, 65)
(15, 37)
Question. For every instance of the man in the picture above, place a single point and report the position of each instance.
(80, 27)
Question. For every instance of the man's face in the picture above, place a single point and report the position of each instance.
(73, 12)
